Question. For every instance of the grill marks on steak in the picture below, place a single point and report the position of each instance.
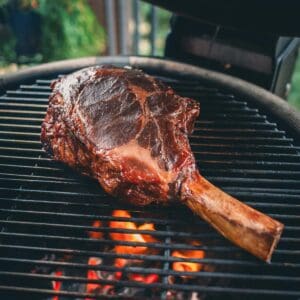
(124, 128)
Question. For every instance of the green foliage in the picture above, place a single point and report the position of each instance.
(26, 4)
(7, 50)
(294, 96)
(163, 19)
(3, 3)
(69, 30)
(7, 39)
(163, 26)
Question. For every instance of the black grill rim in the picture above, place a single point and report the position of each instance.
(288, 117)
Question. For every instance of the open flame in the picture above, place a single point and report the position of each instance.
(184, 266)
(130, 237)
(120, 263)
(96, 234)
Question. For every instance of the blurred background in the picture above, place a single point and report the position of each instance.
(39, 31)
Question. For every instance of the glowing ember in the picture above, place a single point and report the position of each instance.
(142, 248)
(121, 263)
(130, 237)
(106, 289)
(92, 275)
(96, 234)
(151, 278)
(184, 266)
(101, 281)
(96, 275)
(56, 285)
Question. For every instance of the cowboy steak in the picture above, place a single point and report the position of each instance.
(130, 132)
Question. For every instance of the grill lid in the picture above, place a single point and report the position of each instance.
(254, 16)
(47, 210)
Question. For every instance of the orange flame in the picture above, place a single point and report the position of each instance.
(184, 266)
(136, 237)
(96, 234)
(130, 237)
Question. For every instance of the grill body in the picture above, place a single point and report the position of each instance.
(46, 209)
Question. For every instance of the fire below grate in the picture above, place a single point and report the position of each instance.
(62, 237)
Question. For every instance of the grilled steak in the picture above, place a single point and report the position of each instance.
(130, 132)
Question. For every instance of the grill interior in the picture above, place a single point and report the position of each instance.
(46, 209)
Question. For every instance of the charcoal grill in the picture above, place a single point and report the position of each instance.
(246, 141)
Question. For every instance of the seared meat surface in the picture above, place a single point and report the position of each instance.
(111, 124)
(130, 132)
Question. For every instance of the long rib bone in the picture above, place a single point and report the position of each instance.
(243, 225)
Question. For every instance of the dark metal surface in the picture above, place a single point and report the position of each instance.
(266, 60)
(46, 208)
(284, 68)
(254, 15)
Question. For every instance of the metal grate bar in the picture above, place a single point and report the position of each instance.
(222, 290)
(159, 258)
(160, 272)
(34, 291)
(20, 225)
(92, 204)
